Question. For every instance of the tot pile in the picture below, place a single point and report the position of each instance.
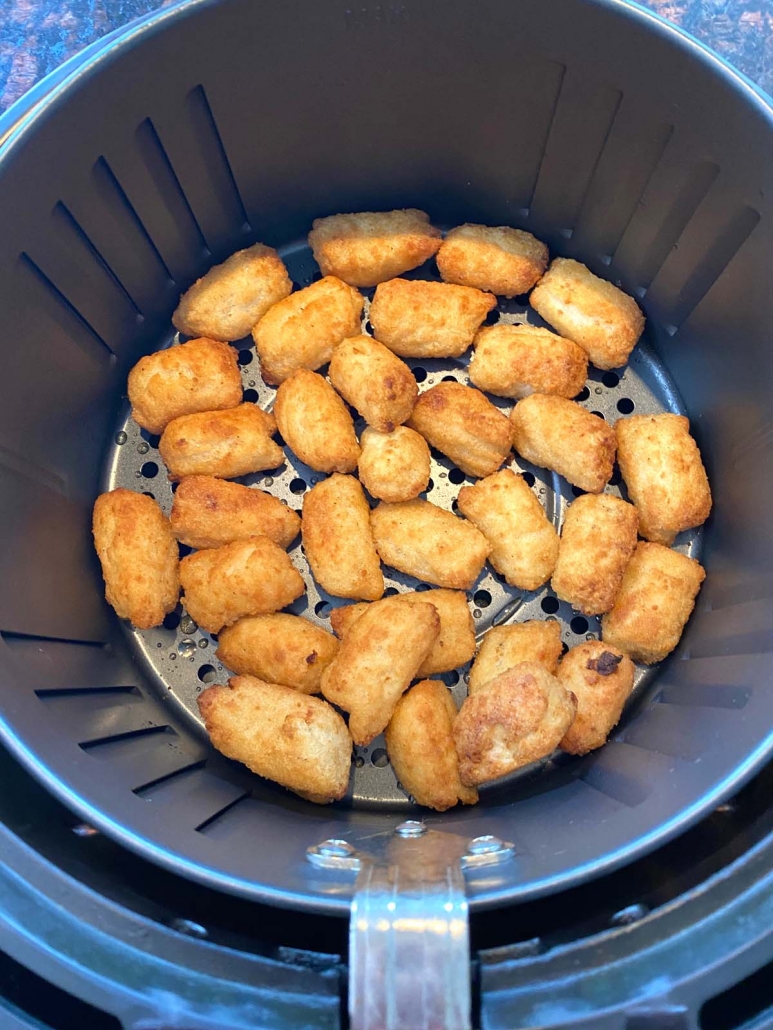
(300, 695)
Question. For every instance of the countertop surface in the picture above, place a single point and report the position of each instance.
(37, 35)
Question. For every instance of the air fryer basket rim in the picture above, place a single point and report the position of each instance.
(16, 131)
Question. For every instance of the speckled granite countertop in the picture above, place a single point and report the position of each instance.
(37, 35)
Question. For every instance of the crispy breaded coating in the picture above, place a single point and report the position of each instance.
(654, 602)
(315, 423)
(524, 543)
(455, 644)
(465, 426)
(224, 444)
(601, 678)
(302, 330)
(280, 648)
(517, 718)
(374, 381)
(208, 512)
(139, 557)
(606, 322)
(370, 247)
(498, 259)
(418, 319)
(420, 745)
(247, 577)
(516, 360)
(298, 741)
(662, 468)
(376, 661)
(201, 375)
(504, 647)
(338, 539)
(430, 543)
(559, 434)
(394, 466)
(597, 540)
(227, 302)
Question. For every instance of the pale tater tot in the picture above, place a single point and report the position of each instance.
(227, 302)
(524, 543)
(662, 468)
(418, 319)
(394, 466)
(496, 258)
(223, 444)
(139, 557)
(315, 423)
(597, 540)
(247, 577)
(208, 512)
(369, 247)
(455, 644)
(601, 678)
(516, 360)
(655, 601)
(465, 426)
(201, 375)
(504, 647)
(560, 435)
(280, 648)
(420, 745)
(606, 322)
(517, 718)
(376, 661)
(374, 381)
(295, 740)
(338, 540)
(430, 543)
(302, 330)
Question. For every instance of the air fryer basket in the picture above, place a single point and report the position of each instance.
(213, 125)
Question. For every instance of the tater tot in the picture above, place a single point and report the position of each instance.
(369, 247)
(394, 466)
(297, 741)
(315, 423)
(499, 259)
(517, 718)
(597, 540)
(559, 434)
(227, 302)
(455, 644)
(201, 375)
(302, 330)
(504, 647)
(247, 577)
(377, 660)
(224, 444)
(524, 543)
(606, 322)
(601, 678)
(420, 745)
(374, 381)
(662, 468)
(465, 426)
(516, 360)
(208, 512)
(655, 601)
(430, 543)
(280, 648)
(418, 319)
(139, 557)
(338, 540)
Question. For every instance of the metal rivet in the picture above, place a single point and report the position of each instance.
(411, 828)
(268, 481)
(188, 927)
(486, 845)
(84, 830)
(335, 848)
(143, 448)
(631, 914)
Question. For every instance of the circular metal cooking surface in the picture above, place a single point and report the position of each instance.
(181, 659)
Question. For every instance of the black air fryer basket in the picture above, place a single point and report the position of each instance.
(616, 140)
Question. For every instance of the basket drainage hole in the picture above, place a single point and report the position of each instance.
(610, 379)
(599, 414)
(419, 374)
(491, 318)
(322, 609)
(583, 395)
(207, 673)
(149, 470)
(449, 379)
(391, 591)
(172, 620)
(450, 678)
(456, 476)
(250, 396)
(549, 605)
(625, 405)
(297, 486)
(579, 625)
(528, 478)
(379, 757)
(244, 357)
(482, 598)
(430, 485)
